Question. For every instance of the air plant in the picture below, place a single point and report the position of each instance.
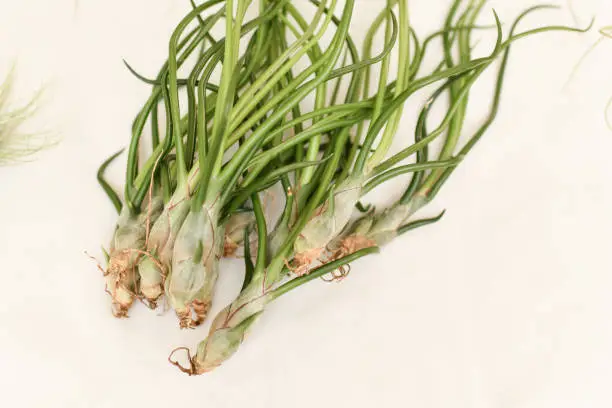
(191, 225)
(380, 228)
(16, 144)
(318, 132)
(265, 280)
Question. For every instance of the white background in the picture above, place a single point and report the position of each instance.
(506, 303)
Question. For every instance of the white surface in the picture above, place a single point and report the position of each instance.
(506, 303)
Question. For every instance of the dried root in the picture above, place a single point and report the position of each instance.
(300, 265)
(337, 275)
(120, 283)
(351, 244)
(192, 369)
(348, 245)
(193, 315)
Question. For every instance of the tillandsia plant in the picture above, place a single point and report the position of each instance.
(316, 130)
(381, 228)
(16, 144)
(240, 117)
(269, 276)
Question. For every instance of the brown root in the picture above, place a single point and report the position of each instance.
(151, 295)
(337, 275)
(193, 315)
(351, 244)
(119, 283)
(120, 311)
(185, 320)
(149, 303)
(300, 265)
(194, 368)
(189, 371)
(201, 311)
(348, 245)
(119, 262)
(121, 273)
(98, 265)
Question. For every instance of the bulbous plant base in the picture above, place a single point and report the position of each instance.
(199, 369)
(120, 311)
(150, 301)
(120, 278)
(227, 332)
(229, 248)
(151, 294)
(194, 314)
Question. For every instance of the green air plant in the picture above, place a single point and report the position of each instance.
(371, 169)
(293, 107)
(269, 276)
(201, 191)
(379, 229)
(199, 243)
(15, 143)
(361, 166)
(334, 213)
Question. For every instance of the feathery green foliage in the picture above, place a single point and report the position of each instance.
(16, 143)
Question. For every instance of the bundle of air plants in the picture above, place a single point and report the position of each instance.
(286, 103)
